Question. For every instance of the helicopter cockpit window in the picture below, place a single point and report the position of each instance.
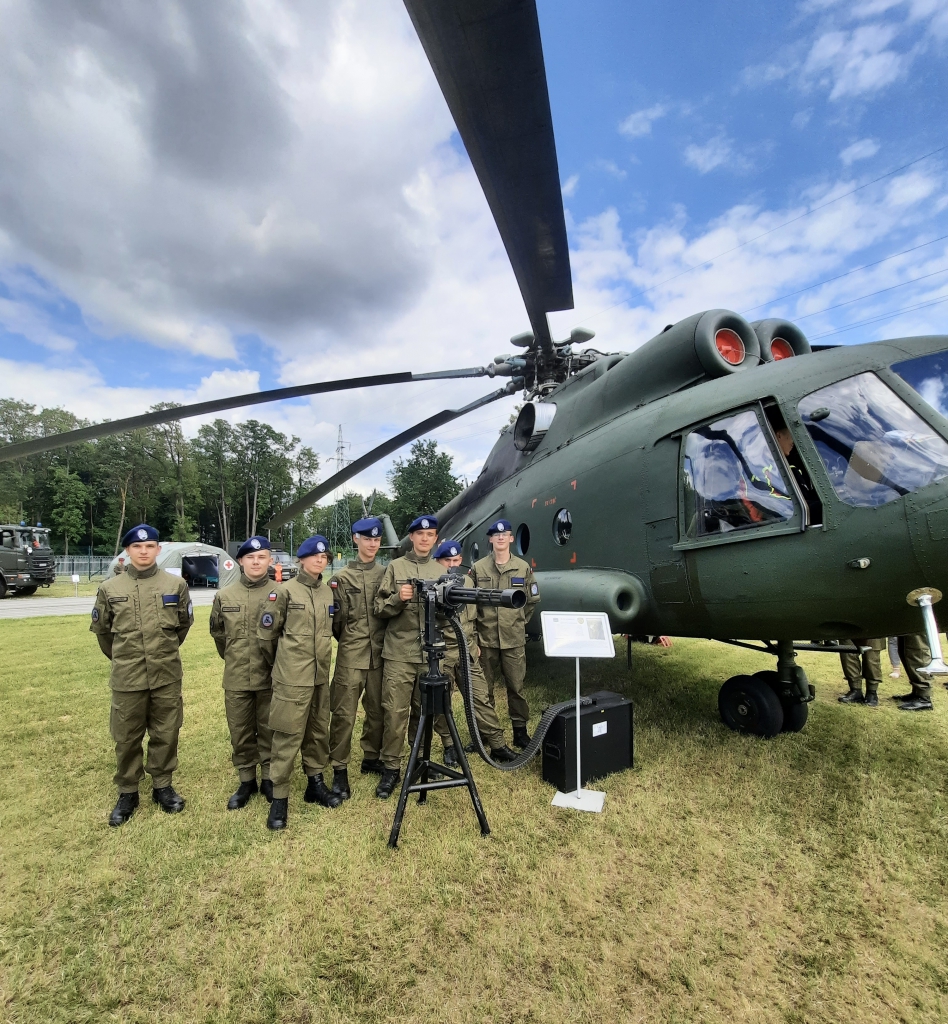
(732, 478)
(874, 447)
(929, 376)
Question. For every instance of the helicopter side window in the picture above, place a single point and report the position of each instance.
(874, 447)
(929, 376)
(732, 478)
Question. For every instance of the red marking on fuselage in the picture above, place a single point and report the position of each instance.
(572, 484)
(572, 561)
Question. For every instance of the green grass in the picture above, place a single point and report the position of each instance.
(729, 879)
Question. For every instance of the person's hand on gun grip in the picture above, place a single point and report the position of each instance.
(406, 591)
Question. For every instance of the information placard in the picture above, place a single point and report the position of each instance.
(577, 635)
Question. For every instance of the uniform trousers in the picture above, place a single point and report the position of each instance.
(159, 712)
(866, 666)
(507, 665)
(915, 654)
(399, 679)
(488, 724)
(299, 718)
(248, 719)
(348, 685)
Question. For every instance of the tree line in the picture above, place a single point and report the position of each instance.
(219, 486)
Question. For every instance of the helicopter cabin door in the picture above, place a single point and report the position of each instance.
(668, 574)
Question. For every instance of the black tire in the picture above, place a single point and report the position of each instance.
(795, 714)
(3, 588)
(748, 704)
(26, 591)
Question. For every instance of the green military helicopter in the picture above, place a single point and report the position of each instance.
(754, 488)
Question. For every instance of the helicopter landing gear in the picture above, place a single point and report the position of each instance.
(795, 713)
(748, 704)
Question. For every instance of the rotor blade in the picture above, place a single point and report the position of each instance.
(181, 412)
(487, 57)
(392, 445)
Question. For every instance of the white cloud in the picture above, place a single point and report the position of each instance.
(570, 185)
(858, 61)
(610, 167)
(861, 150)
(640, 122)
(714, 153)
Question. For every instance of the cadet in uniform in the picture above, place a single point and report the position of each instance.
(140, 620)
(295, 630)
(869, 666)
(501, 632)
(247, 685)
(915, 654)
(403, 656)
(358, 671)
(448, 553)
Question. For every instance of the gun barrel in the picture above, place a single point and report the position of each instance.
(478, 595)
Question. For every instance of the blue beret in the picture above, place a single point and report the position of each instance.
(423, 523)
(138, 534)
(316, 545)
(498, 526)
(370, 527)
(447, 549)
(253, 544)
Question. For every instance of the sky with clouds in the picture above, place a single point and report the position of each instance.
(198, 200)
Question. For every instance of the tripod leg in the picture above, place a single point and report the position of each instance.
(466, 769)
(406, 781)
(425, 725)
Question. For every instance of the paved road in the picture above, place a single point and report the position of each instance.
(35, 607)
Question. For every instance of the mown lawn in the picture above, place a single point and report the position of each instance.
(729, 879)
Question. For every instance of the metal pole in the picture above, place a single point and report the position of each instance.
(579, 762)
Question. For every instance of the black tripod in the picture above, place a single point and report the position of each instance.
(435, 700)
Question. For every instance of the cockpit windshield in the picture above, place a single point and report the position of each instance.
(929, 376)
(874, 447)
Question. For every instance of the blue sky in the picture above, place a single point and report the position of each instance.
(195, 205)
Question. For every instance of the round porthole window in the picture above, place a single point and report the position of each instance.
(523, 539)
(562, 526)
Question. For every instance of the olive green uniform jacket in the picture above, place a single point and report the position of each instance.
(503, 628)
(235, 615)
(140, 620)
(406, 619)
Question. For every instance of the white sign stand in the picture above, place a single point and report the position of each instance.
(576, 635)
(75, 579)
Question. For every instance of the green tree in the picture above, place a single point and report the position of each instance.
(421, 483)
(70, 498)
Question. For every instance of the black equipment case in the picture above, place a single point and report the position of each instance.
(606, 739)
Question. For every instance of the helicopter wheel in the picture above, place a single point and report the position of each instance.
(795, 714)
(748, 704)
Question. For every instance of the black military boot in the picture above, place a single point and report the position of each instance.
(872, 699)
(168, 800)
(469, 748)
(279, 814)
(340, 783)
(521, 737)
(852, 696)
(242, 797)
(124, 809)
(390, 779)
(317, 793)
(503, 754)
(903, 697)
(266, 787)
(917, 704)
(450, 757)
(372, 766)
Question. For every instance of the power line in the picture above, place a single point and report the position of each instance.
(878, 291)
(763, 234)
(883, 316)
(839, 277)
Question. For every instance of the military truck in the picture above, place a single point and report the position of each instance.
(26, 559)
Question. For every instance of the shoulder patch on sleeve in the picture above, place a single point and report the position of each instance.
(334, 583)
(190, 609)
(267, 620)
(272, 596)
(95, 614)
(534, 589)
